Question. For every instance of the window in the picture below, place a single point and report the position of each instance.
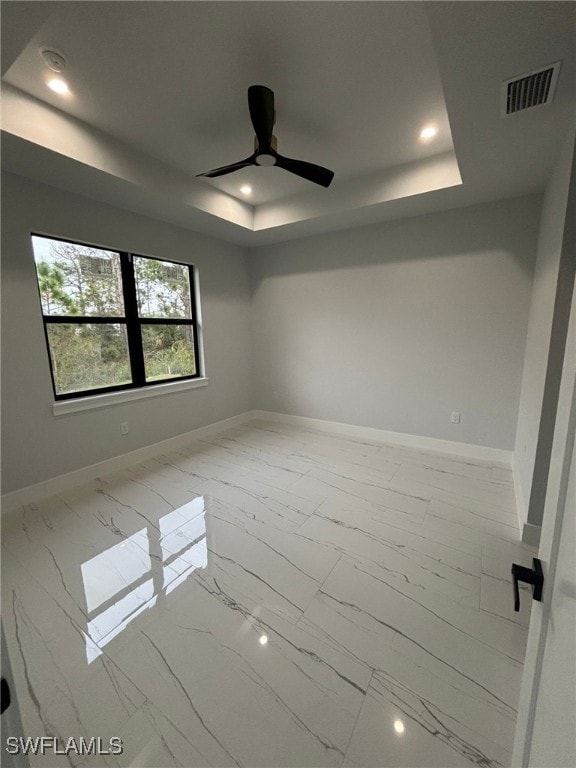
(114, 320)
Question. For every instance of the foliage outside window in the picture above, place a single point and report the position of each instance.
(114, 320)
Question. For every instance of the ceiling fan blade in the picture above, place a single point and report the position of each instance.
(228, 168)
(261, 106)
(307, 171)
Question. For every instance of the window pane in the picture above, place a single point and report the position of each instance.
(88, 356)
(77, 279)
(168, 351)
(163, 288)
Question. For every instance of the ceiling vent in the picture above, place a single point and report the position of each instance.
(533, 89)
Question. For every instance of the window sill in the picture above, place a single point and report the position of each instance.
(115, 398)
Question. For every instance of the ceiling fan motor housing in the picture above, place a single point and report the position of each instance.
(265, 158)
(263, 117)
(273, 143)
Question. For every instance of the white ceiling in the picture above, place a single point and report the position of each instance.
(158, 95)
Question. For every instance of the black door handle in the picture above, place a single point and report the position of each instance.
(532, 576)
(4, 695)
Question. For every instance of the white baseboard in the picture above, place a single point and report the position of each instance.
(30, 493)
(531, 534)
(467, 450)
(521, 505)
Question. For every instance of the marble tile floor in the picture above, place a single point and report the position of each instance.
(272, 597)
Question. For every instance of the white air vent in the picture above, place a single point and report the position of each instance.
(533, 89)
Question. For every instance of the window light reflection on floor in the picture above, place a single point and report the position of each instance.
(130, 577)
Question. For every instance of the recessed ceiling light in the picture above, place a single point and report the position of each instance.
(428, 133)
(246, 190)
(58, 85)
(263, 640)
(399, 726)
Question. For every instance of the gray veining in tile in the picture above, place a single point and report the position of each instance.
(272, 596)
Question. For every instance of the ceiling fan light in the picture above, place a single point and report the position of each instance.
(265, 160)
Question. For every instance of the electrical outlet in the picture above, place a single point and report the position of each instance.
(456, 416)
(124, 429)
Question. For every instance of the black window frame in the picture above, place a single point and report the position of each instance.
(131, 319)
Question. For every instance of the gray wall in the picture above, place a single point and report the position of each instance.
(37, 445)
(545, 350)
(395, 325)
(390, 326)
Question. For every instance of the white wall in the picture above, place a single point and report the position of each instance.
(390, 326)
(35, 444)
(395, 325)
(532, 421)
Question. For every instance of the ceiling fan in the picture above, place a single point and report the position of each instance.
(261, 106)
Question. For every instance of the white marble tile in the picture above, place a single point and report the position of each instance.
(282, 438)
(473, 713)
(399, 729)
(392, 527)
(467, 544)
(480, 508)
(457, 507)
(363, 610)
(447, 520)
(277, 468)
(207, 461)
(404, 555)
(289, 701)
(95, 561)
(135, 605)
(281, 571)
(481, 469)
(320, 440)
(151, 740)
(34, 521)
(250, 498)
(332, 498)
(473, 489)
(127, 494)
(163, 478)
(108, 565)
(333, 485)
(60, 693)
(363, 463)
(258, 458)
(406, 520)
(491, 630)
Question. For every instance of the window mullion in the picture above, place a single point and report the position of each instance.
(132, 320)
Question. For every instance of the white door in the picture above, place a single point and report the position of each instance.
(546, 726)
